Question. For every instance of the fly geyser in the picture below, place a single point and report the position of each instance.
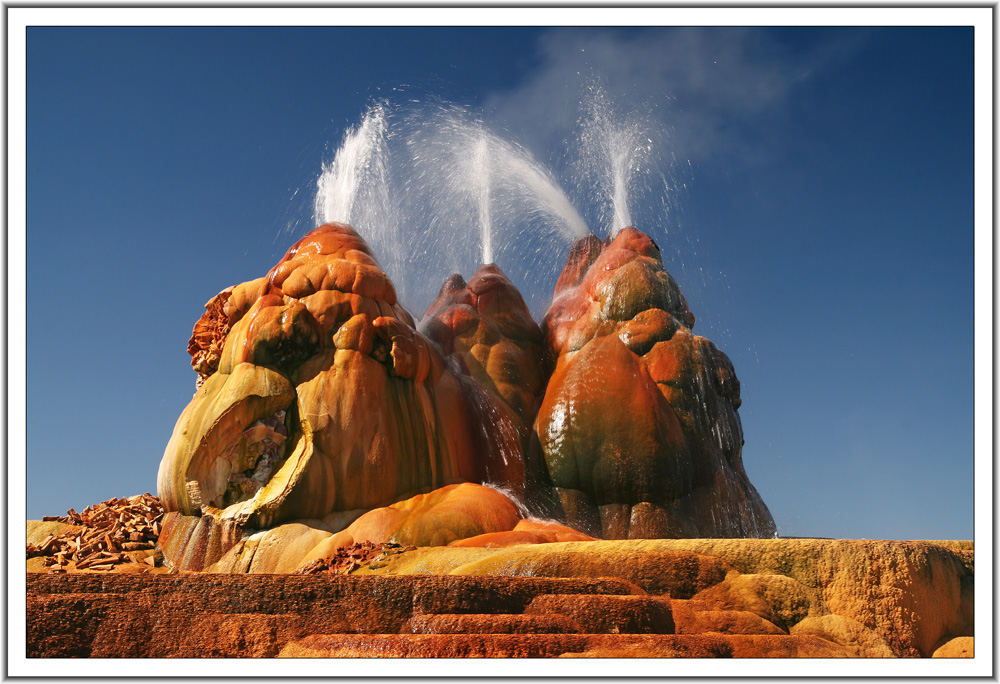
(544, 463)
(322, 404)
(346, 482)
(324, 410)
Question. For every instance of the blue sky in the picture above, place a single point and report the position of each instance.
(819, 221)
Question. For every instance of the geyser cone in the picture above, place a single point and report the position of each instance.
(484, 327)
(487, 323)
(320, 396)
(638, 425)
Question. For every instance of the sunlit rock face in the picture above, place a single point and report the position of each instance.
(526, 531)
(317, 395)
(485, 328)
(638, 424)
(433, 519)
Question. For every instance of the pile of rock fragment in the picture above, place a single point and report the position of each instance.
(112, 532)
(347, 559)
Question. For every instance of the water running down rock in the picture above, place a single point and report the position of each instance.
(611, 416)
(321, 397)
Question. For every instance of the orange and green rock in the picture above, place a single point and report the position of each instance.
(324, 398)
(638, 425)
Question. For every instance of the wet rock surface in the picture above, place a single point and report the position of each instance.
(487, 326)
(638, 424)
(317, 395)
(484, 327)
(345, 483)
(319, 400)
(193, 543)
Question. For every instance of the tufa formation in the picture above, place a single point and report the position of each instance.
(347, 483)
(321, 403)
(638, 425)
(319, 397)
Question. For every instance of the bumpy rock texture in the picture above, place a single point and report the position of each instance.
(638, 424)
(466, 514)
(318, 396)
(485, 328)
(620, 598)
(330, 435)
(319, 401)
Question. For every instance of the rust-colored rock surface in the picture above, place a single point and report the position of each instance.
(202, 615)
(507, 646)
(696, 617)
(779, 599)
(485, 327)
(278, 550)
(209, 336)
(850, 634)
(627, 598)
(638, 424)
(869, 597)
(461, 515)
(609, 614)
(491, 623)
(192, 543)
(438, 518)
(319, 396)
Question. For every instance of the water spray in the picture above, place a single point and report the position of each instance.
(435, 191)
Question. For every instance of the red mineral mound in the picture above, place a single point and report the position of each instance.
(485, 328)
(638, 425)
(486, 323)
(318, 395)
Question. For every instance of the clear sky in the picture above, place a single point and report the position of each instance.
(819, 221)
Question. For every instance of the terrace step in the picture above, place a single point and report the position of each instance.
(560, 645)
(506, 646)
(491, 623)
(379, 616)
(609, 614)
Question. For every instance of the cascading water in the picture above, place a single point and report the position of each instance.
(464, 176)
(435, 191)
